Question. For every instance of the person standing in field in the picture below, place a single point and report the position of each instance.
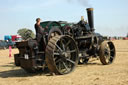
(40, 34)
(39, 30)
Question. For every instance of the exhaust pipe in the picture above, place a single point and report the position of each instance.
(90, 18)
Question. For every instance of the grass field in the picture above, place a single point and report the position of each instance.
(94, 73)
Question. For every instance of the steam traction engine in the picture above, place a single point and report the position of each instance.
(65, 45)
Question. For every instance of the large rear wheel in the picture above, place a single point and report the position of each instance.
(107, 52)
(61, 54)
(55, 31)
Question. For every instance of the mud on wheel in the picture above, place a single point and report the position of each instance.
(61, 54)
(107, 52)
(55, 31)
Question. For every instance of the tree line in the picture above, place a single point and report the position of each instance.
(26, 33)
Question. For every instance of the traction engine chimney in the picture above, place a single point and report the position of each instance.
(90, 18)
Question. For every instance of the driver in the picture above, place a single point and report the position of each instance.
(40, 34)
(39, 30)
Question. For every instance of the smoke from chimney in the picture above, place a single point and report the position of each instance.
(84, 3)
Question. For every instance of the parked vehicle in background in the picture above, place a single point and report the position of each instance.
(13, 38)
(6, 44)
(125, 38)
(16, 38)
(3, 45)
(11, 43)
(7, 37)
(9, 40)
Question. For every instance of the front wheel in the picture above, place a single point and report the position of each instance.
(107, 52)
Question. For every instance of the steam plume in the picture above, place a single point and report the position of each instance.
(84, 3)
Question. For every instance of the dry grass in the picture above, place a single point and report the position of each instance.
(92, 74)
(5, 53)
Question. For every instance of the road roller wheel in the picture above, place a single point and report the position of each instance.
(107, 52)
(61, 54)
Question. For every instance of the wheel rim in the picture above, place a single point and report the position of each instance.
(108, 51)
(64, 61)
(65, 55)
(111, 51)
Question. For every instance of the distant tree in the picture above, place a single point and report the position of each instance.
(127, 35)
(26, 33)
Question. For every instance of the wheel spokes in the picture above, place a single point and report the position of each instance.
(62, 66)
(55, 53)
(111, 57)
(66, 67)
(69, 41)
(71, 51)
(59, 48)
(59, 65)
(112, 50)
(62, 43)
(63, 58)
(58, 60)
(71, 61)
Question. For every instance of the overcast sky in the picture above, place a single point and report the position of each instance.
(111, 16)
